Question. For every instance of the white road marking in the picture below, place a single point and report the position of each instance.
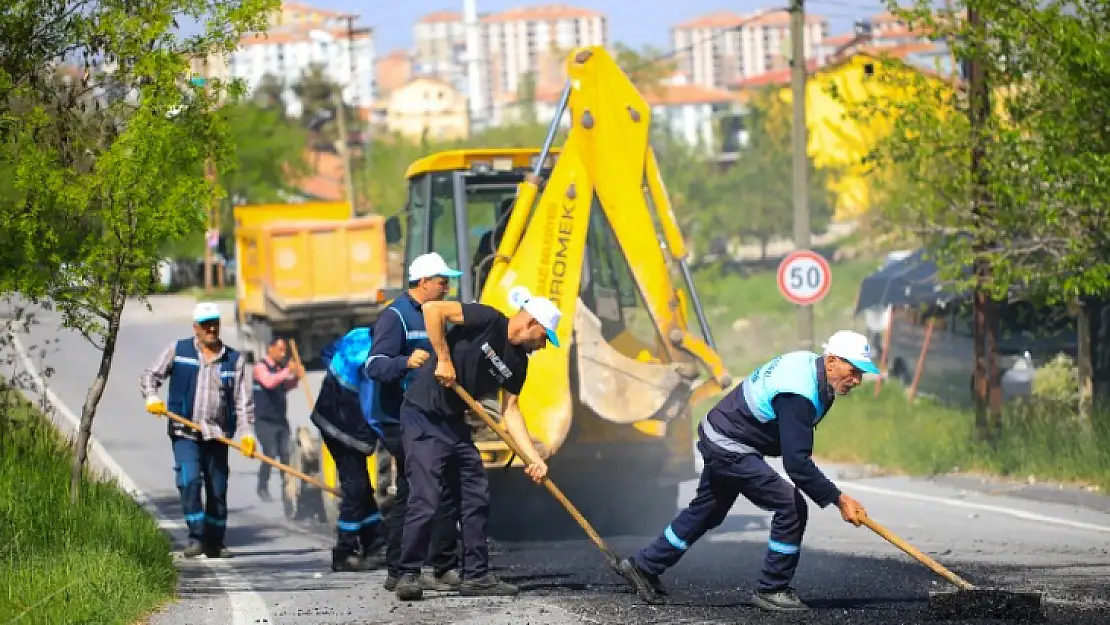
(956, 503)
(247, 606)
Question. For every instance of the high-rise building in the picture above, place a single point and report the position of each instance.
(300, 36)
(524, 40)
(720, 48)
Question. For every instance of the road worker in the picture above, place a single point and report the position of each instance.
(400, 346)
(350, 438)
(491, 351)
(274, 376)
(773, 412)
(208, 386)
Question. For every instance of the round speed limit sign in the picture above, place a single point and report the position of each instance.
(804, 277)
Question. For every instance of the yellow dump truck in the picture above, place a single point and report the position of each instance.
(308, 272)
(589, 226)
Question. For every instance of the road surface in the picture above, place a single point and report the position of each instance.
(281, 574)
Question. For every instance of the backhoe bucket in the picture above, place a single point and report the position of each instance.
(621, 389)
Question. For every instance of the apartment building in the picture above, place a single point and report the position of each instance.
(299, 36)
(723, 47)
(513, 42)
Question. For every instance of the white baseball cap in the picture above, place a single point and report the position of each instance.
(206, 311)
(542, 309)
(853, 347)
(430, 265)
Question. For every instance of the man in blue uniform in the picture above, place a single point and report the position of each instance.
(491, 351)
(400, 347)
(771, 413)
(351, 438)
(208, 386)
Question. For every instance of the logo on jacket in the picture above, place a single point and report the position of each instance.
(500, 370)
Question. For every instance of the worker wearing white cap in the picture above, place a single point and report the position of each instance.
(773, 412)
(208, 386)
(491, 352)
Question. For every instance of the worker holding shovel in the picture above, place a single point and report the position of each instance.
(207, 385)
(491, 351)
(771, 413)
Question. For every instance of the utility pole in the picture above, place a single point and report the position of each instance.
(801, 162)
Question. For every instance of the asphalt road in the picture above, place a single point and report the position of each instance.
(281, 574)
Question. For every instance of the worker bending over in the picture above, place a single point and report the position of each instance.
(771, 413)
(208, 386)
(350, 438)
(400, 346)
(274, 376)
(491, 352)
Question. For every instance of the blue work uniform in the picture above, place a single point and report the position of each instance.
(351, 437)
(773, 412)
(435, 435)
(201, 466)
(399, 332)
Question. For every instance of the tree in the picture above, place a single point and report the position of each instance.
(754, 198)
(1037, 211)
(267, 152)
(100, 177)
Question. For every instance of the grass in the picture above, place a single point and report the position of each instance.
(752, 323)
(225, 293)
(925, 438)
(101, 560)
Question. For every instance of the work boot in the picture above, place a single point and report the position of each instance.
(442, 583)
(194, 549)
(347, 562)
(487, 586)
(646, 585)
(778, 600)
(390, 582)
(217, 551)
(409, 589)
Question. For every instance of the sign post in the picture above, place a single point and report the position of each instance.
(804, 277)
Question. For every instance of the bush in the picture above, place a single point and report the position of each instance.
(1058, 381)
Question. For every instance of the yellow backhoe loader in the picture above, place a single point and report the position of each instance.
(590, 227)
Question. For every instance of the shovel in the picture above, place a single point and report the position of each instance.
(610, 555)
(284, 468)
(969, 601)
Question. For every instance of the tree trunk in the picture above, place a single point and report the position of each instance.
(96, 391)
(1085, 363)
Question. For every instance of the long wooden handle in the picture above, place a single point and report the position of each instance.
(502, 433)
(270, 461)
(916, 554)
(304, 373)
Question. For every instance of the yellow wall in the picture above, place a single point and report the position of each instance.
(835, 139)
(427, 104)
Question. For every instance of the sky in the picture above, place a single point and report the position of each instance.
(632, 22)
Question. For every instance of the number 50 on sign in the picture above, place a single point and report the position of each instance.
(804, 277)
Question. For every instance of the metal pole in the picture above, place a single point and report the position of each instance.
(553, 129)
(801, 162)
(341, 113)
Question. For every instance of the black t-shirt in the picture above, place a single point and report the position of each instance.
(484, 361)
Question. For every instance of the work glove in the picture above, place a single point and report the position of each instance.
(155, 405)
(248, 444)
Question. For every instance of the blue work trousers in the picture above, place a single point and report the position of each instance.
(197, 465)
(440, 451)
(725, 477)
